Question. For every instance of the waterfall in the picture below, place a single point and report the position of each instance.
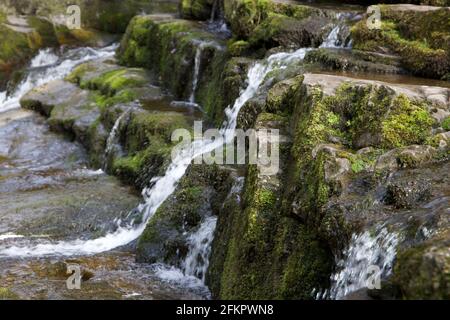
(332, 40)
(162, 187)
(197, 260)
(197, 65)
(112, 138)
(215, 11)
(47, 66)
(365, 252)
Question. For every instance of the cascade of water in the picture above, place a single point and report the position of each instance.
(197, 65)
(332, 40)
(112, 138)
(215, 12)
(162, 187)
(364, 252)
(47, 66)
(197, 260)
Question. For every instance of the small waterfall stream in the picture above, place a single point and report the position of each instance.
(112, 138)
(197, 261)
(368, 255)
(197, 66)
(47, 66)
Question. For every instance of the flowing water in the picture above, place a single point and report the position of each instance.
(332, 40)
(368, 259)
(197, 65)
(197, 260)
(50, 65)
(112, 138)
(162, 187)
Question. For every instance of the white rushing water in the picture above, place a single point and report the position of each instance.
(162, 187)
(197, 65)
(332, 40)
(47, 66)
(197, 260)
(367, 255)
(112, 138)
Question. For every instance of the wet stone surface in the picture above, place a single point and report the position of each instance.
(47, 193)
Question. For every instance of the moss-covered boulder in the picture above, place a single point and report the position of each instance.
(196, 9)
(423, 272)
(147, 145)
(18, 42)
(258, 252)
(272, 23)
(283, 239)
(169, 48)
(420, 36)
(88, 104)
(196, 198)
(353, 61)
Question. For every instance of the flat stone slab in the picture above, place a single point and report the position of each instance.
(55, 93)
(411, 7)
(329, 83)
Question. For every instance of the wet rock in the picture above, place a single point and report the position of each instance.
(416, 33)
(165, 237)
(407, 157)
(408, 194)
(109, 16)
(423, 272)
(354, 61)
(280, 30)
(55, 93)
(196, 9)
(169, 48)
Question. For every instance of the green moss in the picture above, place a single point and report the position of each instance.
(408, 123)
(374, 116)
(318, 123)
(307, 267)
(245, 15)
(7, 294)
(131, 168)
(115, 81)
(238, 48)
(196, 9)
(419, 275)
(446, 124)
(418, 37)
(78, 72)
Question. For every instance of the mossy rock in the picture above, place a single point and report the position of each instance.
(146, 138)
(165, 237)
(168, 47)
(270, 24)
(110, 16)
(421, 38)
(422, 272)
(353, 61)
(196, 9)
